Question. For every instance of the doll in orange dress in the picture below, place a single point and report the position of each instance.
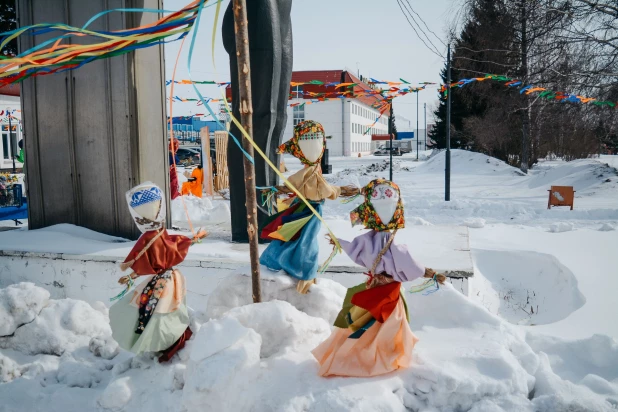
(372, 335)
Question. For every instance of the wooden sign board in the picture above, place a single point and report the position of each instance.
(561, 196)
(207, 185)
(222, 179)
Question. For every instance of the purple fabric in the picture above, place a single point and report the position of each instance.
(396, 262)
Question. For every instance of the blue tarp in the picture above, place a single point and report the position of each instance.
(11, 213)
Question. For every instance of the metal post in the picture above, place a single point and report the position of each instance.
(425, 110)
(246, 117)
(12, 143)
(447, 171)
(390, 150)
(417, 134)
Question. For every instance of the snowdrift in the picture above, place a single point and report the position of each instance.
(256, 357)
(464, 162)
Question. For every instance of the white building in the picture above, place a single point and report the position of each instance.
(10, 118)
(348, 122)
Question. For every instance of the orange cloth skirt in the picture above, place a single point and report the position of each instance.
(383, 348)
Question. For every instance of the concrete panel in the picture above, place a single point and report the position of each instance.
(93, 133)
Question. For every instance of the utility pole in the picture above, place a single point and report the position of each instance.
(425, 110)
(417, 133)
(390, 134)
(246, 117)
(447, 171)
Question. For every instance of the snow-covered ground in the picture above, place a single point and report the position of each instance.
(536, 334)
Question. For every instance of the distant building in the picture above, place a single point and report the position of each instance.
(345, 120)
(10, 117)
(187, 128)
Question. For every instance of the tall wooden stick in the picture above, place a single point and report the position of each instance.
(241, 31)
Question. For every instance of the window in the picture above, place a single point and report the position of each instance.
(299, 114)
(8, 139)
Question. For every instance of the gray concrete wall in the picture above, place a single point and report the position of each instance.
(93, 133)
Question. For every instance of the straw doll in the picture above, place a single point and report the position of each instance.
(372, 335)
(154, 317)
(294, 231)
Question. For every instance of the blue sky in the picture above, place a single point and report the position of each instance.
(373, 36)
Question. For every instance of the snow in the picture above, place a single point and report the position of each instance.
(559, 227)
(20, 304)
(201, 211)
(483, 353)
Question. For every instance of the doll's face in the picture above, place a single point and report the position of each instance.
(384, 200)
(146, 206)
(312, 145)
(149, 210)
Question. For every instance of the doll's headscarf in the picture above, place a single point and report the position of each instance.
(307, 130)
(366, 215)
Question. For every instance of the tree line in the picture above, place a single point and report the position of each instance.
(562, 45)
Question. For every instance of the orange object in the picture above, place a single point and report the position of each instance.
(383, 348)
(561, 196)
(194, 187)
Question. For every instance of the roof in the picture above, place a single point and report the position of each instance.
(326, 76)
(10, 90)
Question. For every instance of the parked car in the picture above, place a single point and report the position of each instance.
(189, 156)
(385, 152)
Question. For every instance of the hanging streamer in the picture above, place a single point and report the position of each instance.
(529, 89)
(54, 56)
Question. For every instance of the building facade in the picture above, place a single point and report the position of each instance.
(348, 122)
(10, 125)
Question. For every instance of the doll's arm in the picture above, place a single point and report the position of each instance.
(430, 273)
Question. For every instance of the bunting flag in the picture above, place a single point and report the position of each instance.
(541, 92)
(54, 55)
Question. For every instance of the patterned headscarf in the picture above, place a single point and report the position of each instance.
(366, 215)
(307, 129)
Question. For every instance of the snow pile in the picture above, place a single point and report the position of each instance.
(62, 326)
(20, 304)
(607, 227)
(474, 222)
(324, 299)
(200, 210)
(560, 227)
(525, 288)
(581, 174)
(464, 162)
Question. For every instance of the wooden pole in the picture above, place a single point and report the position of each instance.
(241, 31)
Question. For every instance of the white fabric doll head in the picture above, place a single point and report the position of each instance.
(385, 200)
(147, 206)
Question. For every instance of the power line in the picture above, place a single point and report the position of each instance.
(437, 53)
(419, 16)
(420, 28)
(485, 61)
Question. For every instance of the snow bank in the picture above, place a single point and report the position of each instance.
(560, 227)
(525, 288)
(201, 211)
(324, 299)
(62, 326)
(464, 162)
(20, 304)
(581, 174)
(475, 223)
